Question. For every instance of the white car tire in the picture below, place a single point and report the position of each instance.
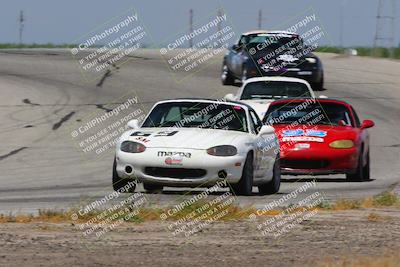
(152, 187)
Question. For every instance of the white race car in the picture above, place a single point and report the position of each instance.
(260, 92)
(199, 142)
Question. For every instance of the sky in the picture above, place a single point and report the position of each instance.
(57, 21)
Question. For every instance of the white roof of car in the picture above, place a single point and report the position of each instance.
(203, 100)
(273, 78)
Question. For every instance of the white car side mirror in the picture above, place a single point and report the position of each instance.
(134, 124)
(230, 97)
(266, 129)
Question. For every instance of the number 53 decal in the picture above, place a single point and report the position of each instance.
(162, 133)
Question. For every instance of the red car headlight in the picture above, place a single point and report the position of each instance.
(132, 147)
(342, 144)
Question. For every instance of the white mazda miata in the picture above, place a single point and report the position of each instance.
(199, 142)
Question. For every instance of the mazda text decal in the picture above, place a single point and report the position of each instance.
(173, 153)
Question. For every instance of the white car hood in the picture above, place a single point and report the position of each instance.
(260, 106)
(194, 138)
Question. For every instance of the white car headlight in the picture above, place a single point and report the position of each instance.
(311, 60)
(222, 151)
(132, 147)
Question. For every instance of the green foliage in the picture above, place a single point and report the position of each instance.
(34, 45)
(386, 199)
(381, 52)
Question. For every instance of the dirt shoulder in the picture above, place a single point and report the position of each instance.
(363, 232)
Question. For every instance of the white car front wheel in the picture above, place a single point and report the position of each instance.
(272, 186)
(245, 185)
(152, 187)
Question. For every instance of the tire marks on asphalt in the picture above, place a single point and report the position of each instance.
(27, 101)
(101, 106)
(13, 152)
(103, 78)
(63, 119)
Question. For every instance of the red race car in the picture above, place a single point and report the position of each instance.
(320, 136)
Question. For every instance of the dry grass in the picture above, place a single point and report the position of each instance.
(52, 216)
(386, 199)
(234, 212)
(375, 217)
(389, 259)
(146, 214)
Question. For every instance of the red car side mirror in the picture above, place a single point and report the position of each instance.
(367, 124)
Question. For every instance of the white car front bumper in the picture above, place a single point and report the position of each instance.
(200, 169)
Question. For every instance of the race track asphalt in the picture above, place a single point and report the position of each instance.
(43, 95)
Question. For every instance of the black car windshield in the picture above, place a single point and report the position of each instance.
(213, 115)
(272, 41)
(274, 90)
(309, 113)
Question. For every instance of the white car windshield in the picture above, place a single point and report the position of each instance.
(201, 115)
(274, 90)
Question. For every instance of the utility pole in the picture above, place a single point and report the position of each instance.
(341, 17)
(259, 19)
(219, 25)
(219, 14)
(21, 25)
(190, 26)
(385, 25)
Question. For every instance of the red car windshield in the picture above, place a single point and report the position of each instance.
(308, 113)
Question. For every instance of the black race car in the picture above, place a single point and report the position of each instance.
(274, 53)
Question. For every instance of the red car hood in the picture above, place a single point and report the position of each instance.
(318, 136)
